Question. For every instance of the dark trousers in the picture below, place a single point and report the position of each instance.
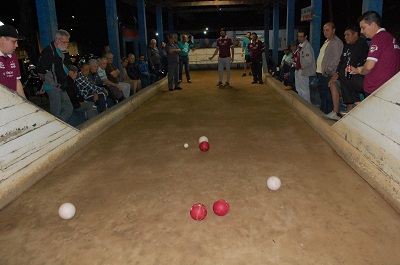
(325, 93)
(156, 71)
(256, 68)
(184, 61)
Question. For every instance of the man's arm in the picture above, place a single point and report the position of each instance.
(215, 53)
(20, 89)
(365, 69)
(232, 53)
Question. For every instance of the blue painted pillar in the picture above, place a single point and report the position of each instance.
(142, 27)
(159, 26)
(266, 30)
(372, 5)
(47, 18)
(113, 32)
(316, 27)
(290, 22)
(275, 26)
(171, 22)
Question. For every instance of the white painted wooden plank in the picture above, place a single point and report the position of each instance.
(16, 128)
(9, 98)
(16, 112)
(390, 90)
(33, 141)
(380, 115)
(58, 145)
(378, 148)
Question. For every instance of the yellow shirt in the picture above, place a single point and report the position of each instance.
(321, 57)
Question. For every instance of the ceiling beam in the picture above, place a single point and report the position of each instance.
(212, 10)
(215, 3)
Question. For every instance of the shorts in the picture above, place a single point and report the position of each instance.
(247, 58)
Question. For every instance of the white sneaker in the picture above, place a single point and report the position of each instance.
(332, 116)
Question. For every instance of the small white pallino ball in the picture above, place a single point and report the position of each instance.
(186, 145)
(67, 210)
(273, 183)
(203, 139)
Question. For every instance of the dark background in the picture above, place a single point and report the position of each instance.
(88, 27)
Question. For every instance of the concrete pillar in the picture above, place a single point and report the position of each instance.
(113, 32)
(142, 27)
(47, 18)
(275, 26)
(290, 22)
(372, 5)
(160, 29)
(316, 27)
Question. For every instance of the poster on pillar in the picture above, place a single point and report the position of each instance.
(306, 14)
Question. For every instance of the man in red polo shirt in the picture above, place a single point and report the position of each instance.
(256, 49)
(383, 60)
(10, 75)
(226, 55)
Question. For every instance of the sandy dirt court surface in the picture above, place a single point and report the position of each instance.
(133, 187)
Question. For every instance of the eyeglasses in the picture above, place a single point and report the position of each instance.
(65, 42)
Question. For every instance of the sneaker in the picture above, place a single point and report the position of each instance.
(177, 88)
(250, 74)
(219, 83)
(226, 84)
(171, 89)
(332, 116)
(261, 82)
(254, 82)
(244, 74)
(189, 81)
(344, 113)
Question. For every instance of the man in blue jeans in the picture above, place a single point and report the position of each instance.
(184, 58)
(145, 76)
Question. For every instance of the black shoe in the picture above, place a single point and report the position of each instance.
(261, 82)
(189, 81)
(254, 82)
(178, 88)
(226, 84)
(244, 74)
(171, 89)
(219, 84)
(250, 74)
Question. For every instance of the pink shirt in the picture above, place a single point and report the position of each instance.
(9, 71)
(385, 51)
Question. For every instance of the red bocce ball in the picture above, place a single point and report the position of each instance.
(204, 146)
(221, 207)
(198, 212)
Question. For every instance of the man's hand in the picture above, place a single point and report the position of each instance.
(95, 97)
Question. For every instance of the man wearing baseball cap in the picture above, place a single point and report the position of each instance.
(10, 74)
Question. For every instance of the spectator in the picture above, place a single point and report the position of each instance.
(284, 67)
(173, 51)
(133, 70)
(355, 52)
(237, 43)
(184, 58)
(226, 56)
(113, 74)
(9, 37)
(83, 110)
(154, 59)
(136, 84)
(256, 49)
(304, 61)
(246, 53)
(52, 67)
(197, 44)
(383, 60)
(114, 89)
(145, 76)
(90, 91)
(288, 78)
(206, 44)
(164, 60)
(327, 63)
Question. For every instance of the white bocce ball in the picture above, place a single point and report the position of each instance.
(203, 139)
(273, 183)
(67, 210)
(186, 145)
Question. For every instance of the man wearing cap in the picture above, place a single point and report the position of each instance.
(9, 67)
(52, 68)
(226, 56)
